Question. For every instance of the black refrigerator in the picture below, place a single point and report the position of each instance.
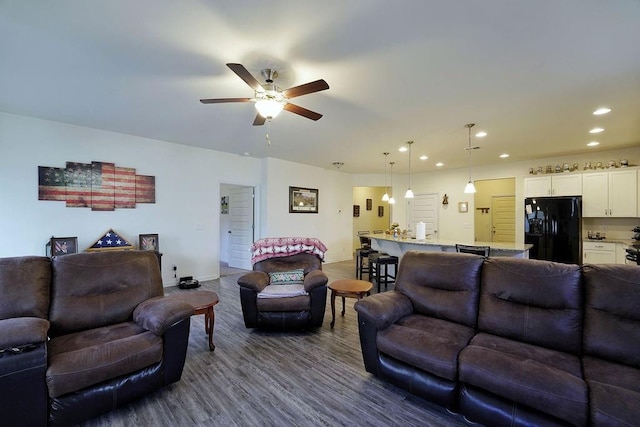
(553, 226)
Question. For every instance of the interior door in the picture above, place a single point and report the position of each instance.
(424, 207)
(503, 219)
(241, 209)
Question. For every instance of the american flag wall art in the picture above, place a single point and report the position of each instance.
(100, 186)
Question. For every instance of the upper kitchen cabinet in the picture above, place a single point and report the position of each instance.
(610, 194)
(553, 185)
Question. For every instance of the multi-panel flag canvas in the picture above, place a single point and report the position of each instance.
(100, 186)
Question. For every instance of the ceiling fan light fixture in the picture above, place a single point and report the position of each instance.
(385, 196)
(269, 108)
(470, 188)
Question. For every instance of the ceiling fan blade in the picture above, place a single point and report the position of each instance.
(245, 75)
(306, 88)
(221, 100)
(302, 111)
(259, 120)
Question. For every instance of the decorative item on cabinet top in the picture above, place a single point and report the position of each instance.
(566, 167)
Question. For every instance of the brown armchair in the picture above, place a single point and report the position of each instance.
(302, 308)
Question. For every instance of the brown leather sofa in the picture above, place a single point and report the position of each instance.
(82, 334)
(294, 312)
(510, 342)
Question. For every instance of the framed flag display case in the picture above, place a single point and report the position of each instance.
(110, 241)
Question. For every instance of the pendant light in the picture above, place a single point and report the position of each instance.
(409, 193)
(385, 196)
(470, 188)
(392, 201)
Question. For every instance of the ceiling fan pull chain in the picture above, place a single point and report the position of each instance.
(268, 130)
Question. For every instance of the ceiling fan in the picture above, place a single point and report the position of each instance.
(269, 98)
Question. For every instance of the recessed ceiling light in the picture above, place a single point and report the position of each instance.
(504, 155)
(601, 111)
(593, 144)
(596, 130)
(439, 164)
(402, 149)
(481, 134)
(423, 157)
(246, 153)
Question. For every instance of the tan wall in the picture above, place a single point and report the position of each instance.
(485, 190)
(369, 220)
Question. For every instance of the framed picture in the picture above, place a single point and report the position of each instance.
(463, 207)
(380, 210)
(356, 211)
(369, 204)
(303, 200)
(224, 205)
(64, 245)
(149, 242)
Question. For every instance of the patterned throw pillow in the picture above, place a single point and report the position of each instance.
(293, 277)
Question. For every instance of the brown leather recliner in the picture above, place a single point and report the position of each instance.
(291, 312)
(112, 336)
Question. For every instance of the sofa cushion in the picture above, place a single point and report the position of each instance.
(540, 378)
(612, 317)
(442, 285)
(426, 343)
(538, 302)
(294, 303)
(20, 331)
(82, 359)
(91, 290)
(24, 287)
(614, 392)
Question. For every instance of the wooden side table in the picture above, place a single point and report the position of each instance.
(202, 302)
(347, 288)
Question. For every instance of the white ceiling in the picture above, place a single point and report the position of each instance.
(530, 73)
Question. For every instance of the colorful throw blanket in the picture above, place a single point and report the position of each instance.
(272, 247)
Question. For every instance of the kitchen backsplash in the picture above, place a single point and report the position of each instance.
(613, 228)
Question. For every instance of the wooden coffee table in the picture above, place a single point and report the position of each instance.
(202, 303)
(350, 288)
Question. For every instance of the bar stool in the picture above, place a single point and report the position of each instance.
(362, 261)
(379, 269)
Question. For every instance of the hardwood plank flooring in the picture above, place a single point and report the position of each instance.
(257, 378)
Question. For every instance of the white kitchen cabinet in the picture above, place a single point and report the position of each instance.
(598, 253)
(553, 185)
(610, 194)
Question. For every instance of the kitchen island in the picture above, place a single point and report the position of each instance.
(398, 246)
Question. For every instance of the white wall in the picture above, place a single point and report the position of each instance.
(333, 222)
(187, 192)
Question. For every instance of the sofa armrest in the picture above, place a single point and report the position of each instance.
(160, 313)
(315, 278)
(384, 309)
(19, 331)
(255, 280)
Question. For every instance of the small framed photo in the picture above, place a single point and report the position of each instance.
(224, 205)
(303, 200)
(463, 207)
(356, 211)
(63, 245)
(380, 210)
(369, 204)
(149, 242)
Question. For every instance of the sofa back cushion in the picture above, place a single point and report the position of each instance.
(91, 290)
(536, 302)
(441, 285)
(612, 313)
(24, 287)
(307, 262)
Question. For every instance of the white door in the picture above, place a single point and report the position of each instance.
(503, 219)
(424, 207)
(241, 230)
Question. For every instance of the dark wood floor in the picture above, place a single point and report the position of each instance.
(256, 378)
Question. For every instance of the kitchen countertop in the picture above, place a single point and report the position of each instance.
(626, 242)
(436, 241)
